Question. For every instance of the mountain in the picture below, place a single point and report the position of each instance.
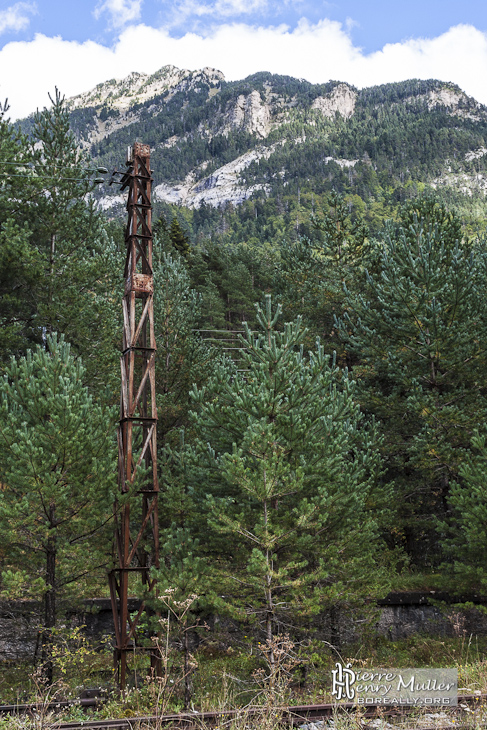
(219, 142)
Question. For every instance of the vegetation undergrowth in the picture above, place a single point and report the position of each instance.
(227, 677)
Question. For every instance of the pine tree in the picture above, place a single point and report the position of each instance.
(184, 584)
(179, 239)
(21, 269)
(182, 358)
(418, 333)
(344, 240)
(289, 470)
(185, 589)
(312, 273)
(57, 466)
(162, 240)
(80, 265)
(430, 213)
(230, 280)
(58, 269)
(21, 265)
(463, 530)
(302, 283)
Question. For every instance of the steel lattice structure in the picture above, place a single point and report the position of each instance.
(136, 509)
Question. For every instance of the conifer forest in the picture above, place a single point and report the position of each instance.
(321, 369)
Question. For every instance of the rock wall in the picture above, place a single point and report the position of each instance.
(402, 615)
(430, 614)
(19, 622)
(341, 100)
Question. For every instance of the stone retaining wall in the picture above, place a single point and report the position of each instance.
(402, 615)
(408, 614)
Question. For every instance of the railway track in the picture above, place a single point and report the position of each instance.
(293, 716)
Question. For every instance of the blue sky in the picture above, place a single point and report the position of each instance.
(77, 44)
(370, 24)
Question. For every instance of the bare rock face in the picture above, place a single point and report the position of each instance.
(476, 154)
(457, 102)
(119, 96)
(222, 186)
(445, 97)
(264, 107)
(257, 117)
(140, 87)
(251, 113)
(341, 100)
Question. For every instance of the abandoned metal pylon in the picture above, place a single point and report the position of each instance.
(136, 508)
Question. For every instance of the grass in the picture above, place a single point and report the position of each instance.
(235, 677)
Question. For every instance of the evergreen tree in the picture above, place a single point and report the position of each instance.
(290, 474)
(179, 239)
(64, 223)
(344, 240)
(230, 280)
(80, 266)
(184, 586)
(182, 358)
(162, 239)
(463, 530)
(419, 334)
(21, 269)
(21, 265)
(300, 288)
(57, 466)
(431, 213)
(312, 273)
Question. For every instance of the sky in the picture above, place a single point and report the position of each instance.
(75, 44)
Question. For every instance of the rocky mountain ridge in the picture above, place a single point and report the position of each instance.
(137, 87)
(117, 103)
(219, 142)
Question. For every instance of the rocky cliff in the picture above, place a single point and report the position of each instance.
(219, 142)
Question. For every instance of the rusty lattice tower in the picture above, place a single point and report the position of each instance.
(136, 517)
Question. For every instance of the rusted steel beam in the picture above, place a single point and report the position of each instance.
(293, 716)
(136, 515)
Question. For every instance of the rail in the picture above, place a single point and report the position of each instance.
(294, 715)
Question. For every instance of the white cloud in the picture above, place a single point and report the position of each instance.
(121, 12)
(317, 52)
(219, 8)
(16, 17)
(194, 14)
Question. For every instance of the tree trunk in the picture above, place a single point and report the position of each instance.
(52, 255)
(188, 685)
(49, 604)
(269, 622)
(335, 630)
